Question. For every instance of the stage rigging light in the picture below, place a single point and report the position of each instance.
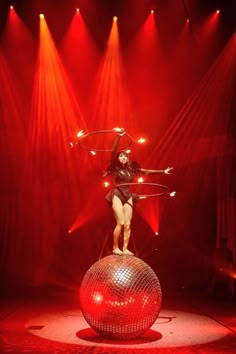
(41, 16)
(152, 12)
(11, 7)
(115, 18)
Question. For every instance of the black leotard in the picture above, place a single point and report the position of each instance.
(122, 175)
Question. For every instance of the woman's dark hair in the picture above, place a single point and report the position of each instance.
(118, 154)
(115, 164)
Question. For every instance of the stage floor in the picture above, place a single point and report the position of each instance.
(53, 323)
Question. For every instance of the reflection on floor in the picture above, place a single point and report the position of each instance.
(51, 322)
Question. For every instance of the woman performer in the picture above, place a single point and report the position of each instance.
(121, 198)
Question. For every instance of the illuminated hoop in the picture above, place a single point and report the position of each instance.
(102, 132)
(165, 188)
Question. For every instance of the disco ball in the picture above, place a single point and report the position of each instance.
(120, 297)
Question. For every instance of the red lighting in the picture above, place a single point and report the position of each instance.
(187, 20)
(140, 179)
(41, 16)
(156, 233)
(106, 184)
(115, 18)
(152, 12)
(218, 11)
(77, 10)
(11, 7)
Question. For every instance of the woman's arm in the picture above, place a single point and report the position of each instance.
(152, 172)
(120, 133)
(110, 168)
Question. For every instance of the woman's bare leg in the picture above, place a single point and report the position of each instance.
(119, 215)
(128, 212)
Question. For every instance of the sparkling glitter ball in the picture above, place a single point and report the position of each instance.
(120, 297)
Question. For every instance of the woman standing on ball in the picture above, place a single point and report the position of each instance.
(123, 170)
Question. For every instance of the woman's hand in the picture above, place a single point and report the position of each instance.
(167, 170)
(120, 131)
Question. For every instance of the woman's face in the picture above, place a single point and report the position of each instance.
(123, 158)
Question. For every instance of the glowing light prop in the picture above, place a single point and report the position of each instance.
(163, 189)
(83, 136)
